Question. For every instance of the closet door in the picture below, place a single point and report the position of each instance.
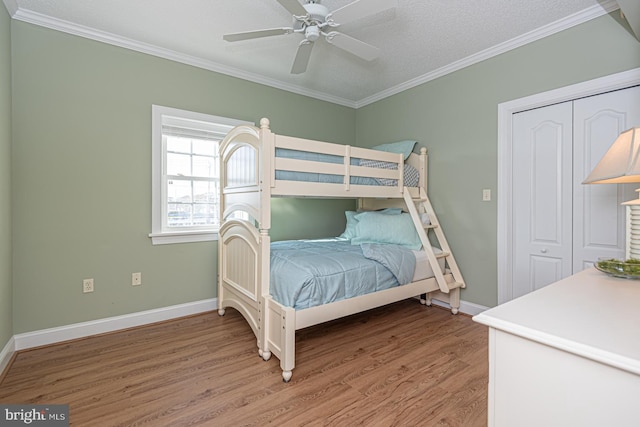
(561, 226)
(599, 219)
(542, 200)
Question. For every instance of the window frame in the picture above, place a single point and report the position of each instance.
(160, 233)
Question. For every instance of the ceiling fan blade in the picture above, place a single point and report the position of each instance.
(359, 9)
(294, 7)
(257, 34)
(302, 57)
(353, 46)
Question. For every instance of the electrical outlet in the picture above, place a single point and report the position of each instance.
(136, 279)
(87, 285)
(486, 195)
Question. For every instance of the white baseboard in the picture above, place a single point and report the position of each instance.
(6, 353)
(465, 307)
(110, 324)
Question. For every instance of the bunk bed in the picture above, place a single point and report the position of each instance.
(256, 165)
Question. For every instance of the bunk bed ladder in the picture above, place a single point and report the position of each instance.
(422, 205)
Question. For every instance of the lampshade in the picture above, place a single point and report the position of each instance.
(621, 164)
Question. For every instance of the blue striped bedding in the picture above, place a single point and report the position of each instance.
(410, 173)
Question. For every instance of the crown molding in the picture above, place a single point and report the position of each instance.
(115, 40)
(35, 18)
(593, 12)
(631, 12)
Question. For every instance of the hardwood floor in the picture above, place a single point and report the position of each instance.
(404, 364)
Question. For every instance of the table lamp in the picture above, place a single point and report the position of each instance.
(621, 165)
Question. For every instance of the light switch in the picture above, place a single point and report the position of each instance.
(486, 195)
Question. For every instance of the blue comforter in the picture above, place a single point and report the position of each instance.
(307, 273)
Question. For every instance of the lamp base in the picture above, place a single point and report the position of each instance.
(634, 201)
(632, 228)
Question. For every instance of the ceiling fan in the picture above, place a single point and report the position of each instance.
(314, 20)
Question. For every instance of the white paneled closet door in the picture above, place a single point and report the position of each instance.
(599, 220)
(542, 204)
(561, 226)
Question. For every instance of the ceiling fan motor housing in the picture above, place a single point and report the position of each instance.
(317, 16)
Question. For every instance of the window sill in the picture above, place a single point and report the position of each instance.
(183, 237)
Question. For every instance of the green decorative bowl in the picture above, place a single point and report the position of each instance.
(629, 269)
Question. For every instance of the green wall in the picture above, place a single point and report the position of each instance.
(455, 117)
(81, 162)
(6, 304)
(82, 175)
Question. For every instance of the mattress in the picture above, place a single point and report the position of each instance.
(308, 273)
(423, 268)
(411, 174)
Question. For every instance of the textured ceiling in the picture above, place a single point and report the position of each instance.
(418, 40)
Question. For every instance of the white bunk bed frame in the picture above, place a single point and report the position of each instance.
(244, 244)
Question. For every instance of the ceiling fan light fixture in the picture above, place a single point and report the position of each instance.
(312, 33)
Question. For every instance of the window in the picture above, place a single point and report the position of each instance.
(186, 178)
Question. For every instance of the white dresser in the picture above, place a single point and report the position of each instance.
(567, 355)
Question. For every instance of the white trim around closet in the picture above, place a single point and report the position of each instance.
(505, 111)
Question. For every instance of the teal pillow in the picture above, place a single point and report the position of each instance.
(403, 147)
(375, 227)
(350, 229)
